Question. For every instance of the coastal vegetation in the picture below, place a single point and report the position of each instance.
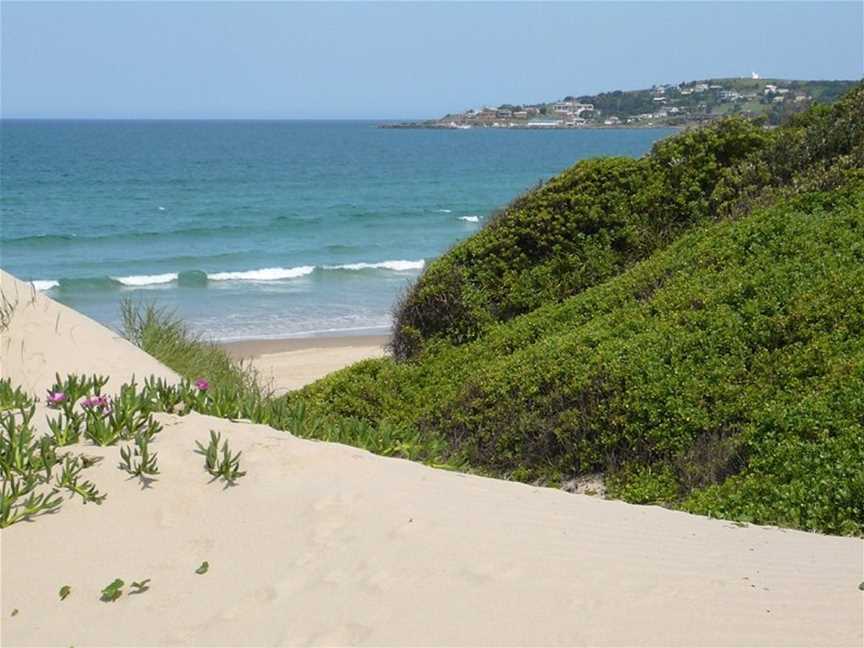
(690, 324)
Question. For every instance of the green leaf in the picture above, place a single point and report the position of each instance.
(64, 592)
(113, 591)
(203, 568)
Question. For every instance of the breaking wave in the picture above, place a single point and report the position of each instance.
(199, 278)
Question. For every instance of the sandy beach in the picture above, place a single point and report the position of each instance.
(325, 544)
(290, 363)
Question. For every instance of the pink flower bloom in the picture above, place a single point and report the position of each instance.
(101, 403)
(55, 398)
(202, 384)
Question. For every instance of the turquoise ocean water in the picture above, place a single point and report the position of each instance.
(259, 229)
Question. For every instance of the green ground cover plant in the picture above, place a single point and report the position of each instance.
(222, 465)
(137, 460)
(112, 591)
(26, 466)
(12, 397)
(69, 479)
(77, 410)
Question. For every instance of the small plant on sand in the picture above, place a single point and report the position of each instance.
(20, 501)
(25, 467)
(12, 398)
(139, 587)
(100, 427)
(69, 480)
(64, 592)
(138, 461)
(64, 393)
(66, 428)
(113, 591)
(18, 450)
(205, 566)
(227, 466)
(108, 422)
(130, 412)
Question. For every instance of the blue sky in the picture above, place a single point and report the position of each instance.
(395, 60)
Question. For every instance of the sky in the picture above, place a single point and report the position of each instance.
(394, 60)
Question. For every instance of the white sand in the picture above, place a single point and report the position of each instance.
(287, 370)
(324, 544)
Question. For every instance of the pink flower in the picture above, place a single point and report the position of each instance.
(55, 398)
(202, 384)
(101, 403)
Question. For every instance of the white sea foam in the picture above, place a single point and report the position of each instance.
(470, 219)
(400, 265)
(44, 284)
(147, 280)
(264, 274)
(444, 211)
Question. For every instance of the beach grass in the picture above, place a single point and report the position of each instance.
(166, 337)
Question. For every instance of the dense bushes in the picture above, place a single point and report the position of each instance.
(581, 228)
(601, 216)
(724, 374)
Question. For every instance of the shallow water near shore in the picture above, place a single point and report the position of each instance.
(255, 230)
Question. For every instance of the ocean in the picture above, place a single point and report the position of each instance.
(257, 229)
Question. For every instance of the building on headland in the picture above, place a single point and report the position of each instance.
(571, 107)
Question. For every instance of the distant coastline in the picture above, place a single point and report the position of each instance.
(684, 105)
(523, 127)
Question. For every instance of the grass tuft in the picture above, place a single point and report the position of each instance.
(164, 336)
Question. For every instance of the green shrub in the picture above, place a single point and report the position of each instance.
(582, 227)
(601, 216)
(708, 376)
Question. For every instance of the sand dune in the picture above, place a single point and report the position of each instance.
(323, 544)
(45, 338)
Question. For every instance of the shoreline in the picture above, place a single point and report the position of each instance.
(255, 348)
(287, 364)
